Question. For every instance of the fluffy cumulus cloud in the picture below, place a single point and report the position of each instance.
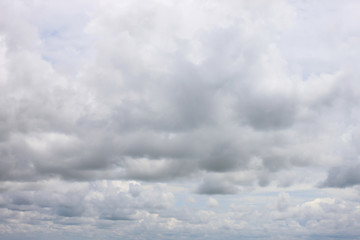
(119, 119)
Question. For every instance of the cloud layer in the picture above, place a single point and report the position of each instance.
(173, 99)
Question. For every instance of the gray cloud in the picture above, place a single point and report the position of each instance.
(167, 103)
(268, 112)
(187, 108)
(216, 185)
(342, 176)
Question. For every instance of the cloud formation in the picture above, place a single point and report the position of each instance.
(163, 98)
(128, 108)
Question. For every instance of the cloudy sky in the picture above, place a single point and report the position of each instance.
(194, 119)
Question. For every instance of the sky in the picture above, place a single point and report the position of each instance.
(194, 119)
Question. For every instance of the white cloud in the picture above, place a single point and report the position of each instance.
(212, 202)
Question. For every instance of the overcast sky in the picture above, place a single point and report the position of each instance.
(193, 119)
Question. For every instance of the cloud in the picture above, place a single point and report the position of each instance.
(212, 203)
(216, 185)
(316, 217)
(174, 97)
(112, 114)
(269, 112)
(131, 116)
(105, 200)
(283, 201)
(342, 176)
